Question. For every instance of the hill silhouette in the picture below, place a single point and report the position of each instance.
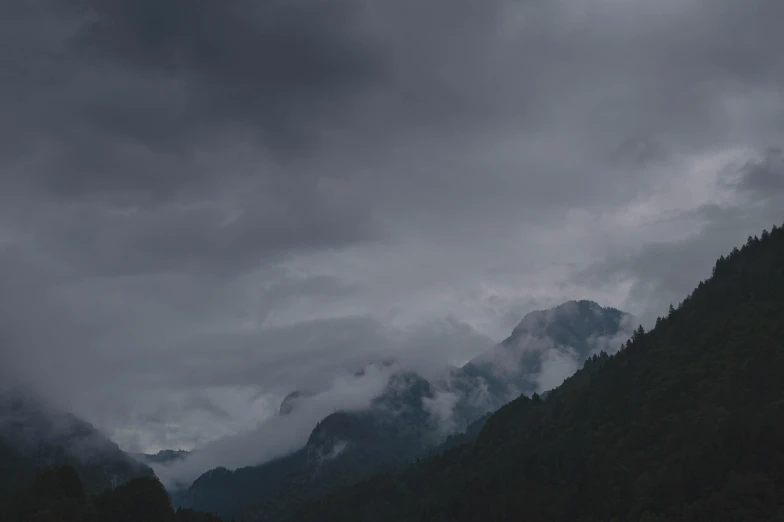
(58, 495)
(35, 436)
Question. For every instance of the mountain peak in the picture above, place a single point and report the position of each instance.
(569, 322)
(548, 346)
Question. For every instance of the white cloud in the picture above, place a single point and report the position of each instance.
(557, 366)
(441, 407)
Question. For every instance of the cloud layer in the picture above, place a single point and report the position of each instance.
(204, 206)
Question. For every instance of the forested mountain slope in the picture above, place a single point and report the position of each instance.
(35, 436)
(685, 423)
(58, 495)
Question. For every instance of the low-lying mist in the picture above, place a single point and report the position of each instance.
(279, 435)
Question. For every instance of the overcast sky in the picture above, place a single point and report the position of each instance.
(207, 204)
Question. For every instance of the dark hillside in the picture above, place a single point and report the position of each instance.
(685, 423)
(58, 495)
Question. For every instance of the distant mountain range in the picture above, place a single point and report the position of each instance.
(413, 417)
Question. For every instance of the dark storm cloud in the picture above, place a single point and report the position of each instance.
(254, 62)
(122, 93)
(270, 46)
(156, 135)
(203, 236)
(144, 76)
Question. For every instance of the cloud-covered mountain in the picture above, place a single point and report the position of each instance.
(34, 436)
(413, 415)
(545, 348)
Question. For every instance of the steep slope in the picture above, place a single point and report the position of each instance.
(34, 436)
(685, 423)
(409, 420)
